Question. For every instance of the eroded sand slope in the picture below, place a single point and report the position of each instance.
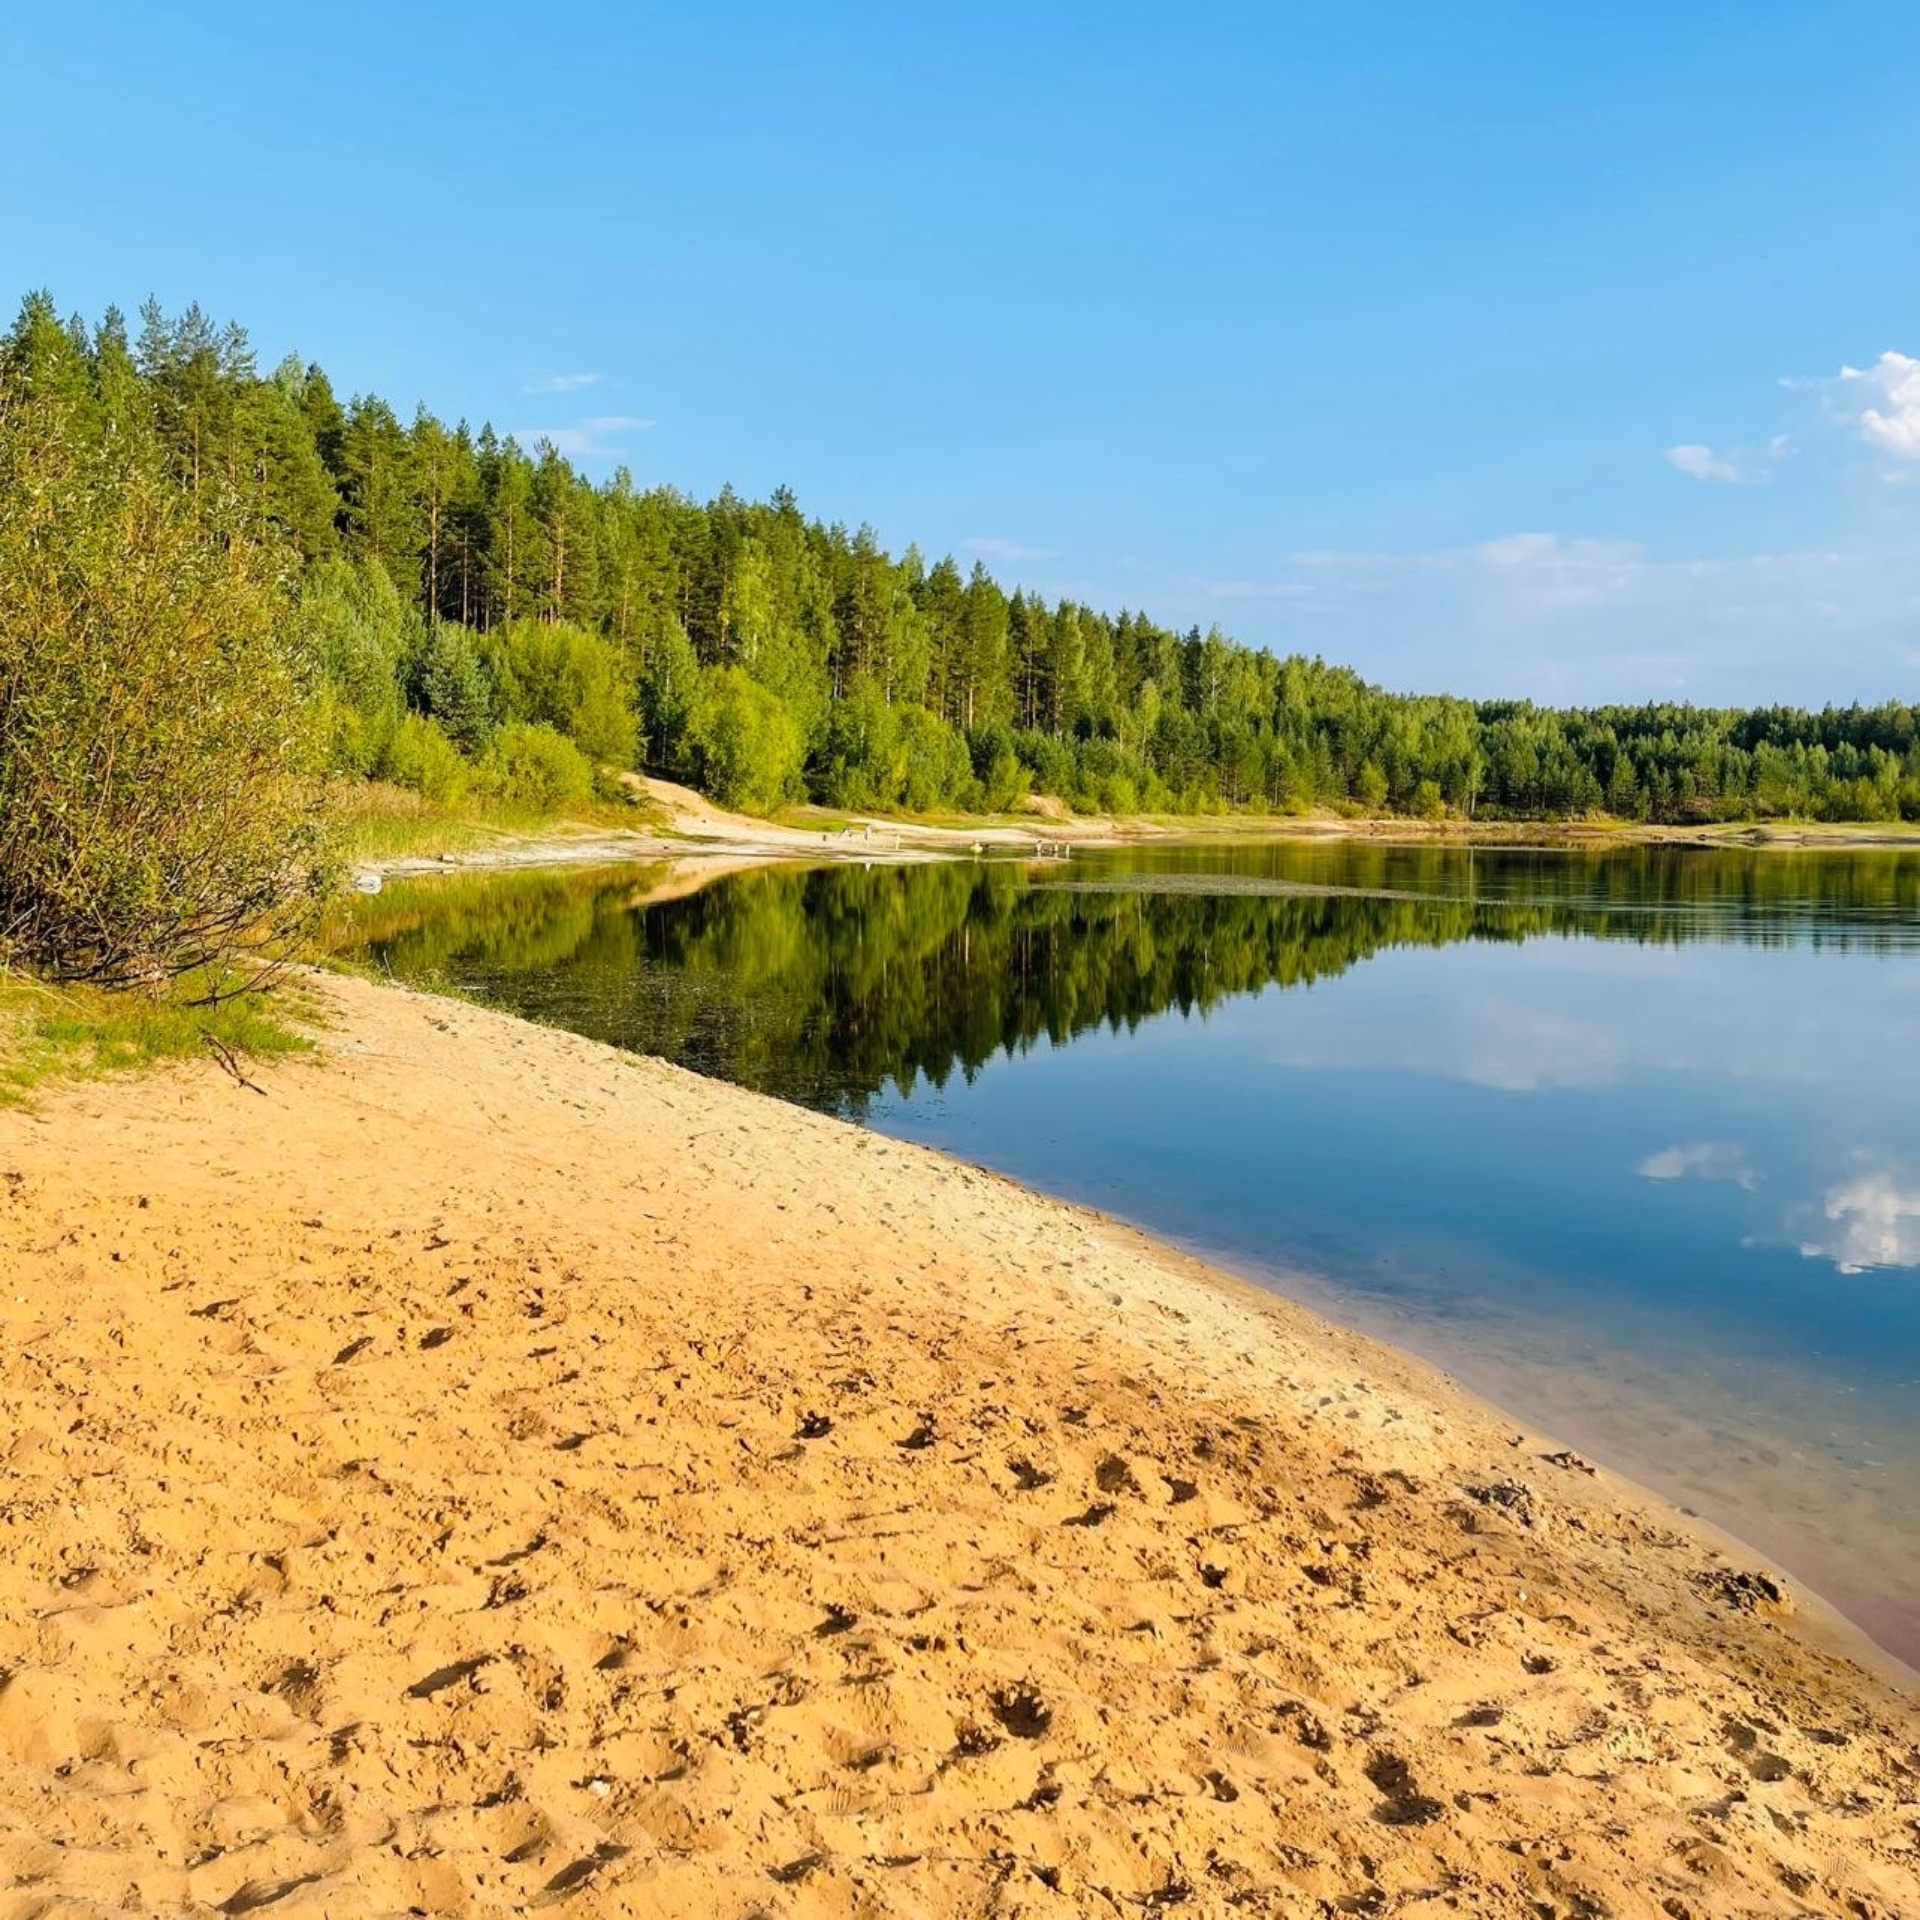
(485, 1474)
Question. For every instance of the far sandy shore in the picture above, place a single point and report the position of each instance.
(693, 828)
(482, 1473)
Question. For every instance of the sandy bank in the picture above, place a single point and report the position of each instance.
(485, 1473)
(689, 827)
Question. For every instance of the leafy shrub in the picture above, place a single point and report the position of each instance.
(531, 765)
(856, 749)
(1002, 780)
(746, 745)
(561, 676)
(615, 788)
(418, 755)
(158, 758)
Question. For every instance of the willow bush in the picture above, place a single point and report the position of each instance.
(158, 800)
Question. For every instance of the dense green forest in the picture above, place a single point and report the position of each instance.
(824, 985)
(481, 615)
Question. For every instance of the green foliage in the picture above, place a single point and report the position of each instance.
(669, 691)
(357, 628)
(157, 750)
(746, 747)
(1001, 779)
(463, 577)
(451, 684)
(49, 1032)
(557, 675)
(417, 755)
(930, 766)
(528, 764)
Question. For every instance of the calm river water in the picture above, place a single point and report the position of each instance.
(1628, 1140)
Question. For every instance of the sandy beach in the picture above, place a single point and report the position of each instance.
(475, 1472)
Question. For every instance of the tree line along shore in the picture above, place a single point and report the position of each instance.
(229, 596)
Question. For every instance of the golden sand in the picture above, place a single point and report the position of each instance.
(486, 1474)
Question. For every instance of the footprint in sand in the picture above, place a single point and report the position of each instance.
(1021, 1710)
(1402, 1804)
(575, 1875)
(442, 1678)
(1099, 1512)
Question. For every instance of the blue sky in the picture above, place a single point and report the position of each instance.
(1495, 348)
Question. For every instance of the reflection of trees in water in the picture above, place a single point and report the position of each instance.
(824, 985)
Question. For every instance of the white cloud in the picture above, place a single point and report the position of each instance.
(1879, 404)
(560, 382)
(1736, 467)
(995, 549)
(597, 438)
(1890, 420)
(1869, 1222)
(1704, 1160)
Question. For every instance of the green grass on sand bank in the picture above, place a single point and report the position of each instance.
(50, 1032)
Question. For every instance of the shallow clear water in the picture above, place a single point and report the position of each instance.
(1630, 1140)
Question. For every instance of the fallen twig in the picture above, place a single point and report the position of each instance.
(225, 1055)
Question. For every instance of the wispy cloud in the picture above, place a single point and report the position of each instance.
(1733, 467)
(1522, 574)
(597, 438)
(1541, 573)
(1254, 589)
(996, 549)
(560, 382)
(1511, 1045)
(1575, 617)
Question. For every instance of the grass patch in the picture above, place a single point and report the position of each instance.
(50, 1033)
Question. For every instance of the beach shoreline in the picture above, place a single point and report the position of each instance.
(482, 1469)
(685, 826)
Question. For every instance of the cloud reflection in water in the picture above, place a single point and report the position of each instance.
(1703, 1160)
(1870, 1221)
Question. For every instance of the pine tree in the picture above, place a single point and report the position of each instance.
(382, 513)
